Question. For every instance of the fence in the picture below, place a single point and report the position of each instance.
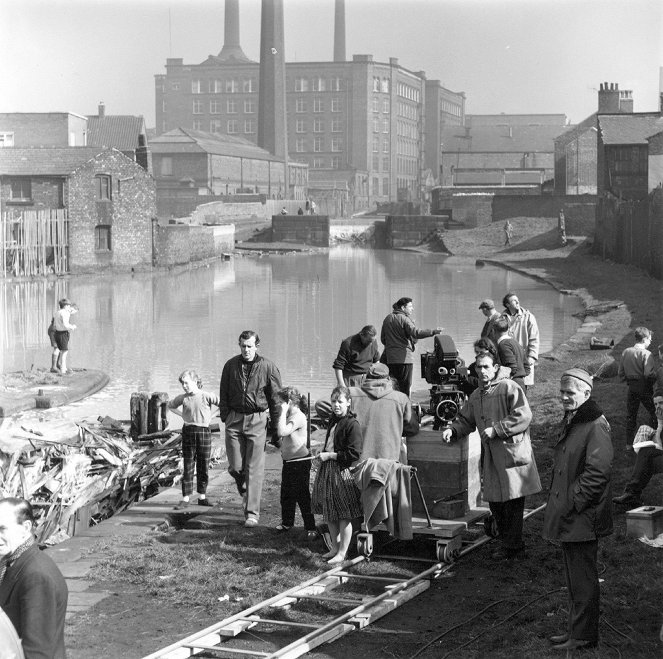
(34, 242)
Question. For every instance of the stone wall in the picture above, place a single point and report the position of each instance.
(179, 244)
(307, 229)
(411, 230)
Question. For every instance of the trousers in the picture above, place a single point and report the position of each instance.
(582, 582)
(196, 451)
(509, 518)
(648, 461)
(296, 491)
(639, 393)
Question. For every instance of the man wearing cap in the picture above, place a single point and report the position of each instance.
(579, 509)
(487, 308)
(384, 414)
(648, 448)
(524, 329)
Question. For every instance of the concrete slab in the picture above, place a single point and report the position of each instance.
(86, 599)
(76, 569)
(79, 585)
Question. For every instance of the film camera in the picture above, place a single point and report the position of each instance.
(446, 371)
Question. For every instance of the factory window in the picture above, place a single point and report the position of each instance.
(231, 86)
(166, 166)
(250, 126)
(231, 107)
(376, 145)
(249, 85)
(301, 84)
(249, 107)
(215, 126)
(376, 163)
(215, 107)
(300, 126)
(385, 125)
(385, 164)
(385, 105)
(232, 126)
(102, 238)
(376, 185)
(163, 105)
(335, 84)
(197, 107)
(197, 124)
(385, 145)
(336, 162)
(20, 189)
(317, 104)
(6, 139)
(300, 105)
(376, 105)
(376, 84)
(385, 187)
(318, 163)
(299, 145)
(215, 87)
(376, 125)
(317, 144)
(336, 104)
(337, 144)
(319, 85)
(196, 86)
(103, 187)
(318, 126)
(175, 86)
(384, 85)
(336, 126)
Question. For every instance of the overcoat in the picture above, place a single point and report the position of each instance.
(508, 466)
(524, 329)
(580, 501)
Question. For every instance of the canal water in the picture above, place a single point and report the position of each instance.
(143, 329)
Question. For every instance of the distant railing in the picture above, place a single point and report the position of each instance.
(34, 242)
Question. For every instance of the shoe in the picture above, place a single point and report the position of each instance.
(182, 505)
(506, 554)
(205, 502)
(628, 499)
(558, 638)
(282, 528)
(312, 535)
(575, 644)
(250, 522)
(54, 370)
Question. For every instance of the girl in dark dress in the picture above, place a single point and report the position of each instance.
(335, 495)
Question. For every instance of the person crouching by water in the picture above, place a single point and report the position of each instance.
(499, 410)
(296, 473)
(196, 414)
(335, 495)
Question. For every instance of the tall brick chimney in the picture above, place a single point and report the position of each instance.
(626, 101)
(339, 31)
(231, 49)
(102, 109)
(660, 89)
(608, 98)
(272, 126)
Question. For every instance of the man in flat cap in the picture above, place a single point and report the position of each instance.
(579, 509)
(487, 308)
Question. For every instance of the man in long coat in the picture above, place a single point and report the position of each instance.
(498, 409)
(524, 329)
(579, 509)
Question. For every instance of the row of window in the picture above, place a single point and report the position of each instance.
(385, 145)
(380, 84)
(409, 92)
(6, 139)
(231, 86)
(406, 166)
(301, 126)
(386, 163)
(20, 188)
(408, 111)
(322, 163)
(407, 148)
(385, 186)
(405, 129)
(301, 144)
(319, 84)
(232, 126)
(451, 108)
(377, 124)
(386, 105)
(301, 105)
(216, 107)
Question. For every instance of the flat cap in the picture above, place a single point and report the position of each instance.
(487, 304)
(579, 374)
(378, 371)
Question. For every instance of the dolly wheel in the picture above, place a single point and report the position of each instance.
(445, 553)
(490, 526)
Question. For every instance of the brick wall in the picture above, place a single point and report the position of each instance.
(410, 230)
(179, 244)
(129, 214)
(45, 193)
(308, 229)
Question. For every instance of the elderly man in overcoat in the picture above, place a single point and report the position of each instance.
(579, 509)
(498, 409)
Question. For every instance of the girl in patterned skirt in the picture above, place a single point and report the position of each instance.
(335, 495)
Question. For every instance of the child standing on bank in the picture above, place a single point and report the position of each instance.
(196, 413)
(296, 474)
(59, 332)
(335, 494)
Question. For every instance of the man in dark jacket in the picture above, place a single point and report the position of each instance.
(487, 308)
(579, 509)
(510, 353)
(399, 336)
(246, 397)
(33, 592)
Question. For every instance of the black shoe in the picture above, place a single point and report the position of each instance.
(628, 499)
(575, 644)
(558, 638)
(204, 502)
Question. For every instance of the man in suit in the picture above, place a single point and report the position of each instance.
(33, 592)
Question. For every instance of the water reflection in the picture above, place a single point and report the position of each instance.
(143, 330)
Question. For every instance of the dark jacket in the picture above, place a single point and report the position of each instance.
(399, 336)
(256, 394)
(347, 439)
(512, 356)
(580, 502)
(354, 358)
(33, 594)
(488, 331)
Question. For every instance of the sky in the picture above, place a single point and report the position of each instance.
(511, 56)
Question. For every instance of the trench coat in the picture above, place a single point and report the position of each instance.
(508, 467)
(580, 501)
(524, 329)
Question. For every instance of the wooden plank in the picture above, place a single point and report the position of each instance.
(327, 637)
(381, 609)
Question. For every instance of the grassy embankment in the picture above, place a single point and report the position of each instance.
(183, 573)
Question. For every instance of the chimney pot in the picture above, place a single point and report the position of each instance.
(102, 110)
